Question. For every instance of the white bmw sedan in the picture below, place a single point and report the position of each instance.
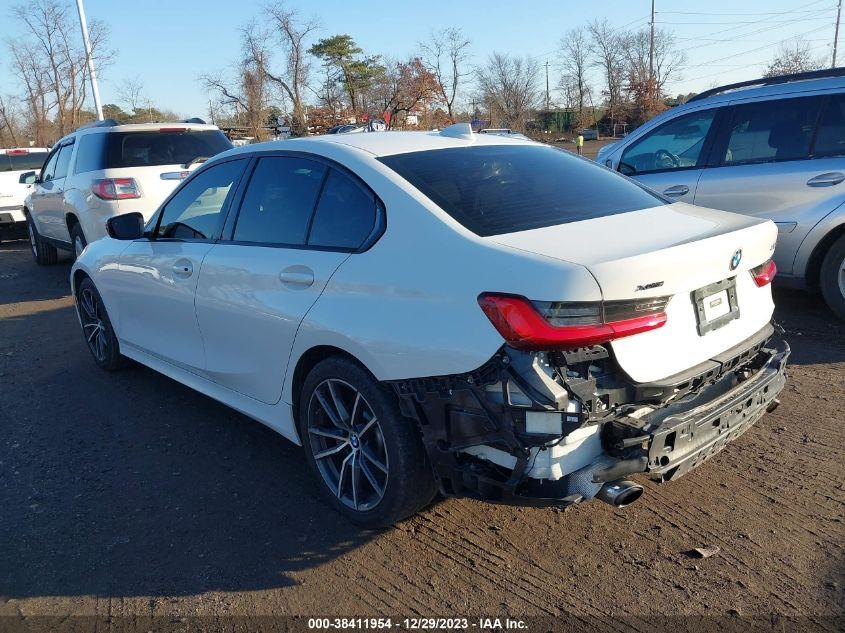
(443, 311)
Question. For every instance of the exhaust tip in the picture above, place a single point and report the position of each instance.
(620, 493)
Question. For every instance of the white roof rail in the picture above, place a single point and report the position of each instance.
(458, 130)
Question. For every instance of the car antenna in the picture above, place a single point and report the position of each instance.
(458, 130)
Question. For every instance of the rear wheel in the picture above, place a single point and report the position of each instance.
(96, 327)
(43, 253)
(832, 277)
(369, 458)
(77, 238)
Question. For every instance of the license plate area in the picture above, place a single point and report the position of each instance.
(715, 305)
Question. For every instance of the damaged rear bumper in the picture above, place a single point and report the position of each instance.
(478, 431)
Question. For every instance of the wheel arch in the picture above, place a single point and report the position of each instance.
(307, 361)
(77, 277)
(814, 263)
(70, 219)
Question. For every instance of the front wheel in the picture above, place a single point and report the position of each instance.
(369, 458)
(43, 253)
(832, 277)
(77, 238)
(97, 328)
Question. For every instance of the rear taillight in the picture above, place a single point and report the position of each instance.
(554, 325)
(17, 152)
(764, 273)
(115, 188)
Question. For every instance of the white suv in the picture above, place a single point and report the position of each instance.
(103, 169)
(492, 317)
(14, 163)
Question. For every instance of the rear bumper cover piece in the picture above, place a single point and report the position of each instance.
(456, 412)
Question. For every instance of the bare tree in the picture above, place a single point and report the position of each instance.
(291, 33)
(793, 57)
(130, 93)
(574, 52)
(247, 94)
(445, 56)
(668, 60)
(508, 86)
(402, 88)
(9, 125)
(607, 49)
(53, 33)
(36, 83)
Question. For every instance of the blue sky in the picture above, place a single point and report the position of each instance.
(168, 44)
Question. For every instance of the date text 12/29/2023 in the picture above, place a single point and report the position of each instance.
(418, 624)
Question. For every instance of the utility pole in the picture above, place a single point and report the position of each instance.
(95, 89)
(547, 85)
(836, 33)
(651, 45)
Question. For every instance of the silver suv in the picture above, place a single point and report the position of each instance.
(104, 169)
(773, 148)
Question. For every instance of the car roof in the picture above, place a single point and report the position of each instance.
(760, 91)
(384, 143)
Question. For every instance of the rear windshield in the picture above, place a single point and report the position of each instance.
(498, 189)
(31, 161)
(144, 149)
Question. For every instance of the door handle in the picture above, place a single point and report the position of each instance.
(183, 268)
(299, 277)
(826, 180)
(676, 191)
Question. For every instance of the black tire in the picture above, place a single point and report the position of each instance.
(97, 329)
(77, 240)
(43, 253)
(407, 482)
(832, 277)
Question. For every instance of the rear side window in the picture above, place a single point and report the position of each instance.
(195, 211)
(830, 138)
(677, 144)
(498, 189)
(769, 131)
(345, 215)
(144, 149)
(29, 161)
(91, 153)
(279, 200)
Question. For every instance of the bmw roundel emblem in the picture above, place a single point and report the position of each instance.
(737, 257)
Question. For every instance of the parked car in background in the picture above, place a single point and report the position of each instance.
(504, 132)
(103, 169)
(15, 162)
(449, 311)
(772, 148)
(588, 134)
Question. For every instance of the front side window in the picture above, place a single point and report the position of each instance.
(279, 201)
(345, 215)
(63, 161)
(195, 211)
(769, 131)
(676, 144)
(830, 138)
(497, 189)
(50, 166)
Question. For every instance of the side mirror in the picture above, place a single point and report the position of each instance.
(126, 226)
(28, 178)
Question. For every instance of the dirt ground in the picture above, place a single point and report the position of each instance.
(125, 496)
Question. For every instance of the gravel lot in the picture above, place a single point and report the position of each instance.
(130, 495)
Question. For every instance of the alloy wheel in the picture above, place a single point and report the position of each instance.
(348, 445)
(93, 324)
(32, 238)
(842, 277)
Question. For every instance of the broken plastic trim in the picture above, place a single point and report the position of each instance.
(457, 412)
